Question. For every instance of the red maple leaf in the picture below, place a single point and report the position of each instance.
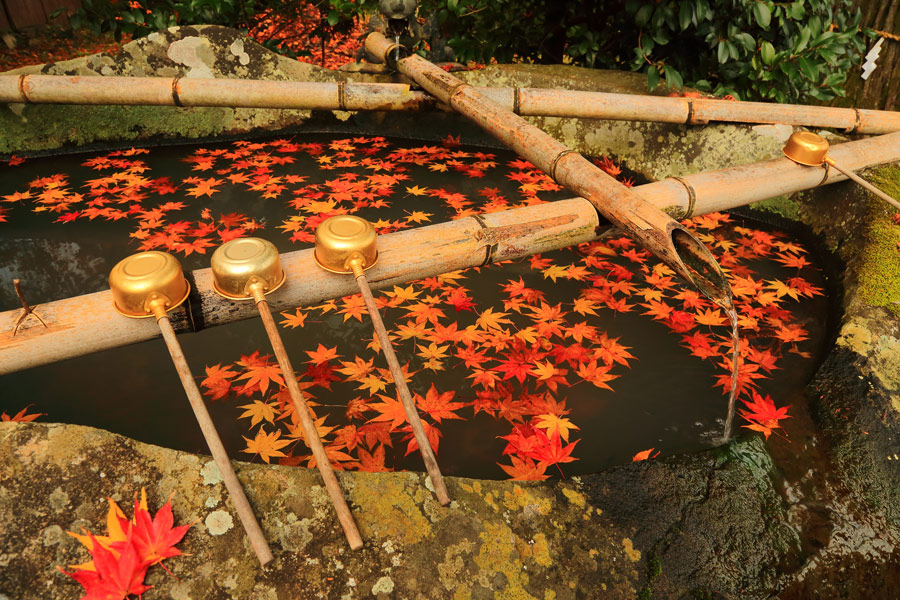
(155, 538)
(763, 415)
(115, 577)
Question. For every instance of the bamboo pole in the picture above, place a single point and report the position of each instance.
(239, 93)
(89, 323)
(668, 240)
(409, 405)
(214, 442)
(310, 433)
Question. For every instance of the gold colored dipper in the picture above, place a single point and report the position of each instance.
(807, 148)
(347, 244)
(248, 269)
(150, 284)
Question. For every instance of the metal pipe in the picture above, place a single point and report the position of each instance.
(653, 229)
(88, 323)
(239, 93)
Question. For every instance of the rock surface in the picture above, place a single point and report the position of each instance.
(652, 526)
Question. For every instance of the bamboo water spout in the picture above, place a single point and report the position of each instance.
(150, 284)
(345, 244)
(248, 269)
(349, 96)
(653, 229)
(86, 324)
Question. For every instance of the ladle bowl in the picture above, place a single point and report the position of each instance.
(242, 263)
(343, 238)
(139, 280)
(806, 148)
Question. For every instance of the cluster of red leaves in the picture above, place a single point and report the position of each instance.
(121, 558)
(521, 351)
(309, 34)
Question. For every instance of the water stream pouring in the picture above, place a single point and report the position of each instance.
(346, 244)
(248, 269)
(149, 284)
(810, 149)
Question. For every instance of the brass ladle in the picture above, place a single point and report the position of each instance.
(346, 244)
(147, 285)
(807, 148)
(248, 269)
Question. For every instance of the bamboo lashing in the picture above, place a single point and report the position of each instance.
(86, 324)
(248, 269)
(349, 96)
(668, 240)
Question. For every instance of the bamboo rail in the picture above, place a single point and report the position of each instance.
(654, 230)
(89, 323)
(239, 93)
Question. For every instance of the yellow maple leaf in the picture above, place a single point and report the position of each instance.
(417, 191)
(554, 424)
(258, 412)
(554, 271)
(491, 320)
(266, 445)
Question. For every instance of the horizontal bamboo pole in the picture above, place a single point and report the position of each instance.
(240, 93)
(89, 323)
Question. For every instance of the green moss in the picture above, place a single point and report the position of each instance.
(782, 206)
(879, 272)
(47, 127)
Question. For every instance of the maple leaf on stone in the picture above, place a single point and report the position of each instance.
(155, 538)
(525, 469)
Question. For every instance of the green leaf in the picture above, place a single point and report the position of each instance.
(685, 14)
(652, 77)
(762, 14)
(767, 53)
(673, 77)
(722, 52)
(746, 40)
(643, 15)
(809, 69)
(333, 17)
(802, 40)
(797, 11)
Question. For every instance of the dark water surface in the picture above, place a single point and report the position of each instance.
(664, 399)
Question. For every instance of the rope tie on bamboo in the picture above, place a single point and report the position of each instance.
(690, 114)
(692, 197)
(556, 159)
(856, 122)
(489, 249)
(22, 89)
(342, 103)
(175, 85)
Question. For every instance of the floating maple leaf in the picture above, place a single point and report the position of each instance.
(763, 415)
